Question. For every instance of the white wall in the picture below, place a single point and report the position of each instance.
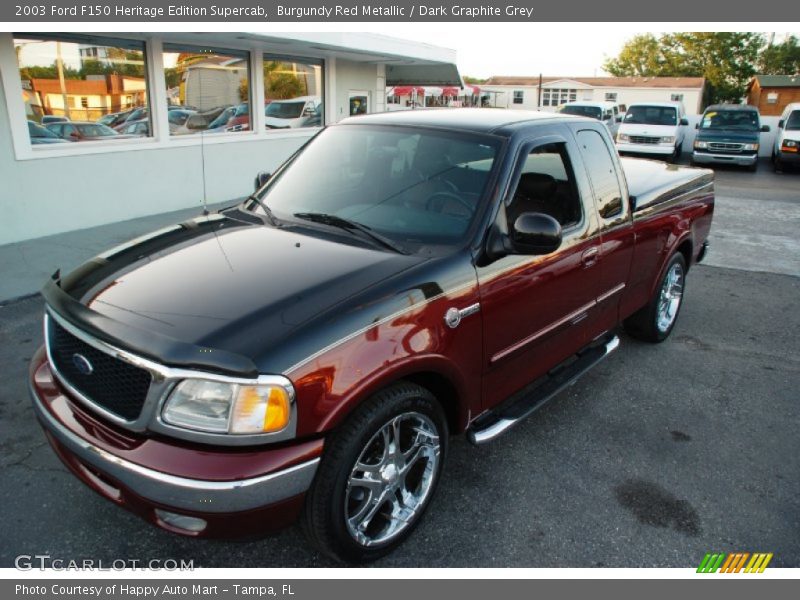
(45, 195)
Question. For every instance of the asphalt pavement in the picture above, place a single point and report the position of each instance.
(659, 455)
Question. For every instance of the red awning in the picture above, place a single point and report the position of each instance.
(407, 90)
(453, 92)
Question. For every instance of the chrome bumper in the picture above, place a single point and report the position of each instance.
(179, 492)
(706, 158)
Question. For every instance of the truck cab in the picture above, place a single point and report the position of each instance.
(786, 151)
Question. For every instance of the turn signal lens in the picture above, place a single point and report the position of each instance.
(260, 409)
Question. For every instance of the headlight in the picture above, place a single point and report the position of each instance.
(700, 145)
(623, 137)
(218, 407)
(790, 144)
(750, 147)
(668, 139)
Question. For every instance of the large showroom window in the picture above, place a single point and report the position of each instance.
(80, 88)
(293, 93)
(208, 90)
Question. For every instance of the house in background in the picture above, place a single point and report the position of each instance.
(523, 92)
(86, 99)
(771, 93)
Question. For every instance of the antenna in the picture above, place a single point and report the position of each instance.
(202, 147)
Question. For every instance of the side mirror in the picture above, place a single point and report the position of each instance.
(261, 179)
(536, 233)
(308, 111)
(618, 119)
(697, 125)
(684, 121)
(764, 128)
(780, 124)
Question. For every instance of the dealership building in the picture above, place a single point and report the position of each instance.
(101, 128)
(524, 92)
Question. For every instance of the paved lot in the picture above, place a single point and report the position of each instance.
(661, 454)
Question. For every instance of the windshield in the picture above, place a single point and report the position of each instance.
(284, 110)
(95, 130)
(584, 111)
(222, 119)
(415, 187)
(740, 120)
(793, 122)
(242, 109)
(651, 115)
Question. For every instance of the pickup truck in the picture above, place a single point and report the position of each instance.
(307, 353)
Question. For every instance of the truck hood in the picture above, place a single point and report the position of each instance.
(215, 282)
(728, 135)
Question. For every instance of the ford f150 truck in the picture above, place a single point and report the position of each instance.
(402, 278)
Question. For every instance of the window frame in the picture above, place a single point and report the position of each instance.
(159, 137)
(518, 97)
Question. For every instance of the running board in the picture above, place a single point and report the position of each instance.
(496, 422)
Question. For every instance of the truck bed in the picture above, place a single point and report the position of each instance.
(652, 182)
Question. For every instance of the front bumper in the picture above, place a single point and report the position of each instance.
(709, 158)
(789, 158)
(654, 149)
(234, 491)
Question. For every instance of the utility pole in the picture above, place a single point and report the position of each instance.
(61, 82)
(539, 94)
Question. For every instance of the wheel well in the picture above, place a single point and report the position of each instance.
(686, 249)
(444, 391)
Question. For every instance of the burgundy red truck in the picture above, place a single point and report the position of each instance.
(401, 279)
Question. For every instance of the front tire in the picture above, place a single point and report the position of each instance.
(378, 475)
(654, 322)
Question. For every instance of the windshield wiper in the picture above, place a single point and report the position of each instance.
(267, 210)
(348, 225)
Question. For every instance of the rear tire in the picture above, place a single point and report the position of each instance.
(654, 322)
(378, 475)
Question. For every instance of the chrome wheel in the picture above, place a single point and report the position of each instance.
(392, 479)
(670, 298)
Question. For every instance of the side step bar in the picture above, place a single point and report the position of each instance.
(496, 422)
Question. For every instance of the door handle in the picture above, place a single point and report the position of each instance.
(590, 257)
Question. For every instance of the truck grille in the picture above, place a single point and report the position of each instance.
(644, 139)
(725, 147)
(112, 384)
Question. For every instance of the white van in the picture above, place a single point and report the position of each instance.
(653, 128)
(786, 150)
(303, 111)
(607, 112)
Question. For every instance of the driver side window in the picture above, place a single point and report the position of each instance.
(546, 185)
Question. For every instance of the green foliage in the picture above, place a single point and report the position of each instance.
(473, 80)
(280, 83)
(781, 59)
(726, 59)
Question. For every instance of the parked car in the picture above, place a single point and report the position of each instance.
(177, 118)
(140, 128)
(601, 111)
(200, 121)
(728, 134)
(293, 113)
(655, 129)
(220, 124)
(403, 277)
(42, 135)
(80, 131)
(240, 121)
(786, 150)
(47, 119)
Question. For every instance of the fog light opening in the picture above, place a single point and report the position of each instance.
(182, 522)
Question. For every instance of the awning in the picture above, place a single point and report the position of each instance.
(406, 90)
(435, 74)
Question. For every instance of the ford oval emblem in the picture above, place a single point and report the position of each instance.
(82, 364)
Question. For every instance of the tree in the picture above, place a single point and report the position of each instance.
(473, 80)
(726, 59)
(781, 59)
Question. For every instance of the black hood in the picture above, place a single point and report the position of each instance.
(248, 289)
